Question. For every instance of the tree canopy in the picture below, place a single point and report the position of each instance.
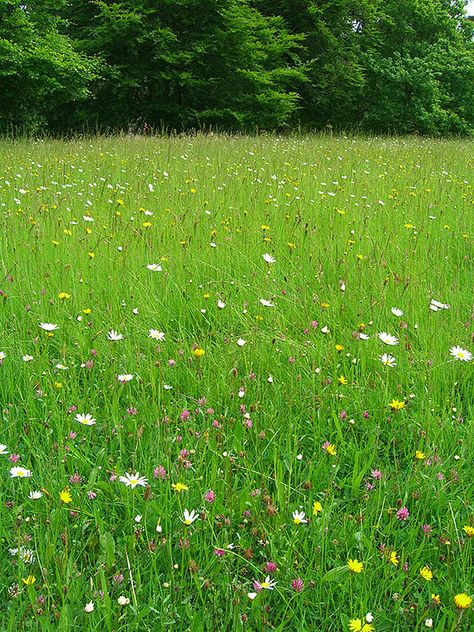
(383, 66)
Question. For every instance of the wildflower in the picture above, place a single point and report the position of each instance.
(241, 342)
(125, 377)
(198, 352)
(461, 354)
(48, 326)
(64, 295)
(132, 480)
(123, 601)
(26, 555)
(426, 573)
(154, 334)
(20, 472)
(377, 474)
(35, 495)
(435, 306)
(29, 581)
(89, 607)
(355, 566)
(3, 449)
(179, 487)
(403, 513)
(357, 625)
(396, 312)
(387, 339)
(419, 455)
(266, 303)
(329, 448)
(268, 258)
(396, 405)
(317, 507)
(27, 358)
(428, 623)
(299, 517)
(462, 601)
(65, 496)
(220, 304)
(86, 420)
(388, 360)
(393, 559)
(297, 585)
(435, 599)
(189, 518)
(339, 348)
(114, 336)
(268, 584)
(209, 496)
(342, 380)
(469, 531)
(154, 267)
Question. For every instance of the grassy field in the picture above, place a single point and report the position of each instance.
(228, 399)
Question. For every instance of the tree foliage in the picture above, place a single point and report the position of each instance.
(391, 65)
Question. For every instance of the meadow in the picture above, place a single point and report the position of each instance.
(236, 384)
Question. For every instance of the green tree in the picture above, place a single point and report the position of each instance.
(419, 68)
(187, 63)
(41, 74)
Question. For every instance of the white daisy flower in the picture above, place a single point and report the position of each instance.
(48, 326)
(27, 358)
(35, 495)
(89, 607)
(61, 367)
(20, 472)
(435, 306)
(363, 336)
(220, 304)
(268, 584)
(156, 335)
(86, 420)
(154, 267)
(299, 517)
(132, 480)
(189, 518)
(266, 303)
(3, 449)
(268, 258)
(388, 360)
(241, 342)
(461, 354)
(388, 339)
(396, 312)
(125, 377)
(114, 335)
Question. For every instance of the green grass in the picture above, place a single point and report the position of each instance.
(357, 227)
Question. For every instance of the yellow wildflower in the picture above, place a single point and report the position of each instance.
(462, 601)
(426, 573)
(355, 566)
(65, 496)
(396, 405)
(179, 487)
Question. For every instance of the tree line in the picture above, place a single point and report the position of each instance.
(383, 66)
